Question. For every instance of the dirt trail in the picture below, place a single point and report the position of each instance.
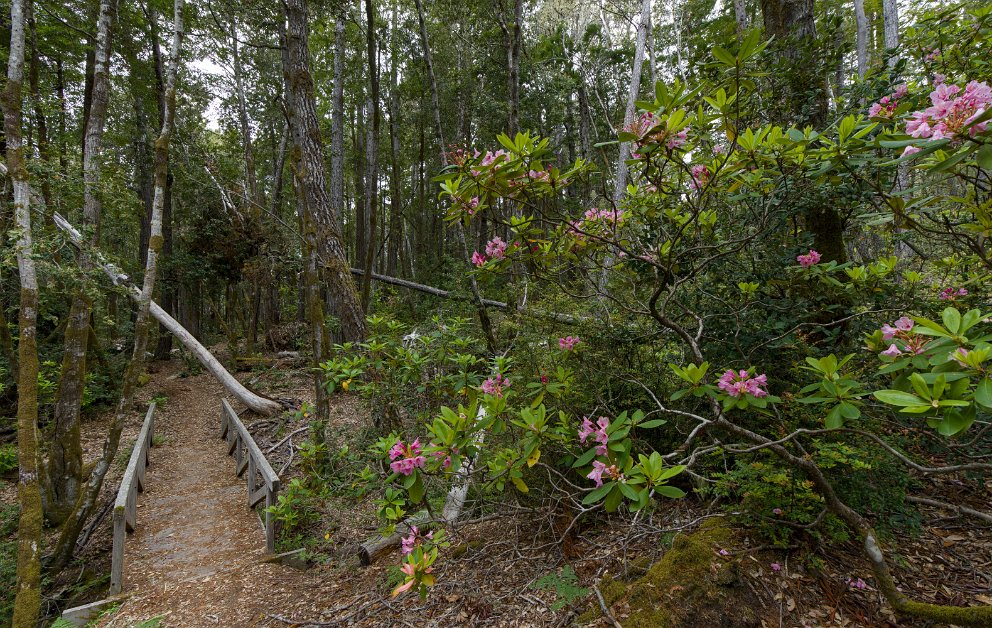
(194, 557)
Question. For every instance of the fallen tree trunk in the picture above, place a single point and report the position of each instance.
(256, 402)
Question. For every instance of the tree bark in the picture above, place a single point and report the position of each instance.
(337, 123)
(861, 23)
(740, 13)
(620, 184)
(65, 460)
(890, 17)
(88, 498)
(372, 146)
(27, 601)
(302, 114)
(484, 321)
(395, 235)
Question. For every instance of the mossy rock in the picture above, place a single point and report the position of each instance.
(691, 586)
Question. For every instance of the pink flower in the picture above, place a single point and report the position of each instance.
(723, 552)
(719, 149)
(888, 332)
(953, 112)
(406, 458)
(596, 475)
(409, 542)
(495, 385)
(938, 78)
(568, 342)
(496, 248)
(809, 260)
(776, 567)
(950, 294)
(478, 258)
(777, 511)
(959, 356)
(892, 352)
(856, 584)
(700, 176)
(910, 150)
(601, 436)
(904, 323)
(587, 429)
(901, 90)
(734, 383)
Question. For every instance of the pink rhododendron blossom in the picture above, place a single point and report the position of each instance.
(777, 511)
(719, 149)
(496, 248)
(776, 567)
(901, 90)
(700, 176)
(586, 430)
(888, 332)
(568, 342)
(406, 458)
(596, 475)
(494, 159)
(478, 258)
(904, 323)
(723, 552)
(892, 352)
(809, 260)
(939, 79)
(734, 383)
(953, 112)
(414, 539)
(950, 294)
(494, 385)
(910, 150)
(856, 583)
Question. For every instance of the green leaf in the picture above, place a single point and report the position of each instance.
(952, 319)
(723, 56)
(613, 499)
(671, 492)
(834, 419)
(983, 393)
(898, 398)
(584, 459)
(652, 423)
(597, 494)
(984, 157)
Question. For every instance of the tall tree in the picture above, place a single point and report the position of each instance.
(27, 602)
(65, 455)
(87, 500)
(372, 147)
(861, 24)
(620, 184)
(890, 17)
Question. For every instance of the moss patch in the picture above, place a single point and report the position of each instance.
(691, 586)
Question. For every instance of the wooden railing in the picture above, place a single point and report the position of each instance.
(263, 483)
(126, 505)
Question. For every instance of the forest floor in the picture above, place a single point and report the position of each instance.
(194, 559)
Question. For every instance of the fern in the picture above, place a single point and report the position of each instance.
(565, 585)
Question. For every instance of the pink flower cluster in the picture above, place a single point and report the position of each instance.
(592, 220)
(700, 176)
(952, 114)
(599, 469)
(856, 583)
(540, 175)
(886, 107)
(495, 249)
(809, 260)
(495, 385)
(950, 294)
(642, 126)
(493, 159)
(414, 539)
(598, 432)
(734, 383)
(568, 342)
(903, 331)
(406, 458)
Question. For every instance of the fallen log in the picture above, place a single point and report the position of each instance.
(256, 402)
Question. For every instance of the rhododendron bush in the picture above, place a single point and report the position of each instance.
(739, 336)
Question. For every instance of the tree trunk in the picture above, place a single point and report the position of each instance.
(620, 185)
(88, 498)
(302, 114)
(337, 123)
(27, 601)
(890, 17)
(39, 110)
(862, 37)
(395, 236)
(740, 13)
(484, 321)
(372, 146)
(65, 461)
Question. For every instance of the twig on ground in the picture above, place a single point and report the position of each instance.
(604, 608)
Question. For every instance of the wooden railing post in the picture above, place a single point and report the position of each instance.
(126, 505)
(249, 458)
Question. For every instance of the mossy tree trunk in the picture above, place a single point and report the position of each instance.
(65, 459)
(302, 116)
(87, 500)
(27, 602)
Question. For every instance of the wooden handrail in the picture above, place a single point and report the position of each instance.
(126, 505)
(248, 457)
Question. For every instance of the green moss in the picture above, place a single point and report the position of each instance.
(690, 586)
